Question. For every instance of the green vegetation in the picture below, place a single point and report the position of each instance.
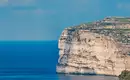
(90, 23)
(123, 19)
(112, 26)
(125, 75)
(120, 35)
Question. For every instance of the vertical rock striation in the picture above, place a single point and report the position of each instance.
(89, 51)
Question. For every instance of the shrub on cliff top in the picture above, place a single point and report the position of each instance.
(125, 75)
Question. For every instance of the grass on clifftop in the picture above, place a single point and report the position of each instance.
(123, 20)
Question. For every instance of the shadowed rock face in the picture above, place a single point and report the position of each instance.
(88, 51)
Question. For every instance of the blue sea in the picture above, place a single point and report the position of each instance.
(34, 60)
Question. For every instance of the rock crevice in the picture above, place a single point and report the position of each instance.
(89, 51)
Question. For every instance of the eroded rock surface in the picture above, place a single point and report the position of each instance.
(89, 51)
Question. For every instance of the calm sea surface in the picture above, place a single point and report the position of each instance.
(31, 60)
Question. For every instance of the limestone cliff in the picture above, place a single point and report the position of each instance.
(93, 49)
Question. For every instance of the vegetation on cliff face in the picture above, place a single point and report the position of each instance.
(117, 28)
(97, 47)
(125, 75)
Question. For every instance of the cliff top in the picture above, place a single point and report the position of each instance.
(116, 27)
(106, 23)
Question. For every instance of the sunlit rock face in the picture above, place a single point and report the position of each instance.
(86, 52)
(100, 47)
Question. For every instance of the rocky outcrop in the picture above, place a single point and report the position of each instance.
(87, 51)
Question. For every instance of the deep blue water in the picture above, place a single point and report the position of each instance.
(31, 60)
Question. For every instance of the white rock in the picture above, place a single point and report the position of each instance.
(87, 52)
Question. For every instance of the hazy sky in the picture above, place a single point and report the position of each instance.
(45, 19)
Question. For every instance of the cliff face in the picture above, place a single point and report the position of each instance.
(88, 51)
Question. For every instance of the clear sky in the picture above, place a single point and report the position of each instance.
(45, 19)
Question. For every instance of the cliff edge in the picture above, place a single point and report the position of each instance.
(100, 47)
